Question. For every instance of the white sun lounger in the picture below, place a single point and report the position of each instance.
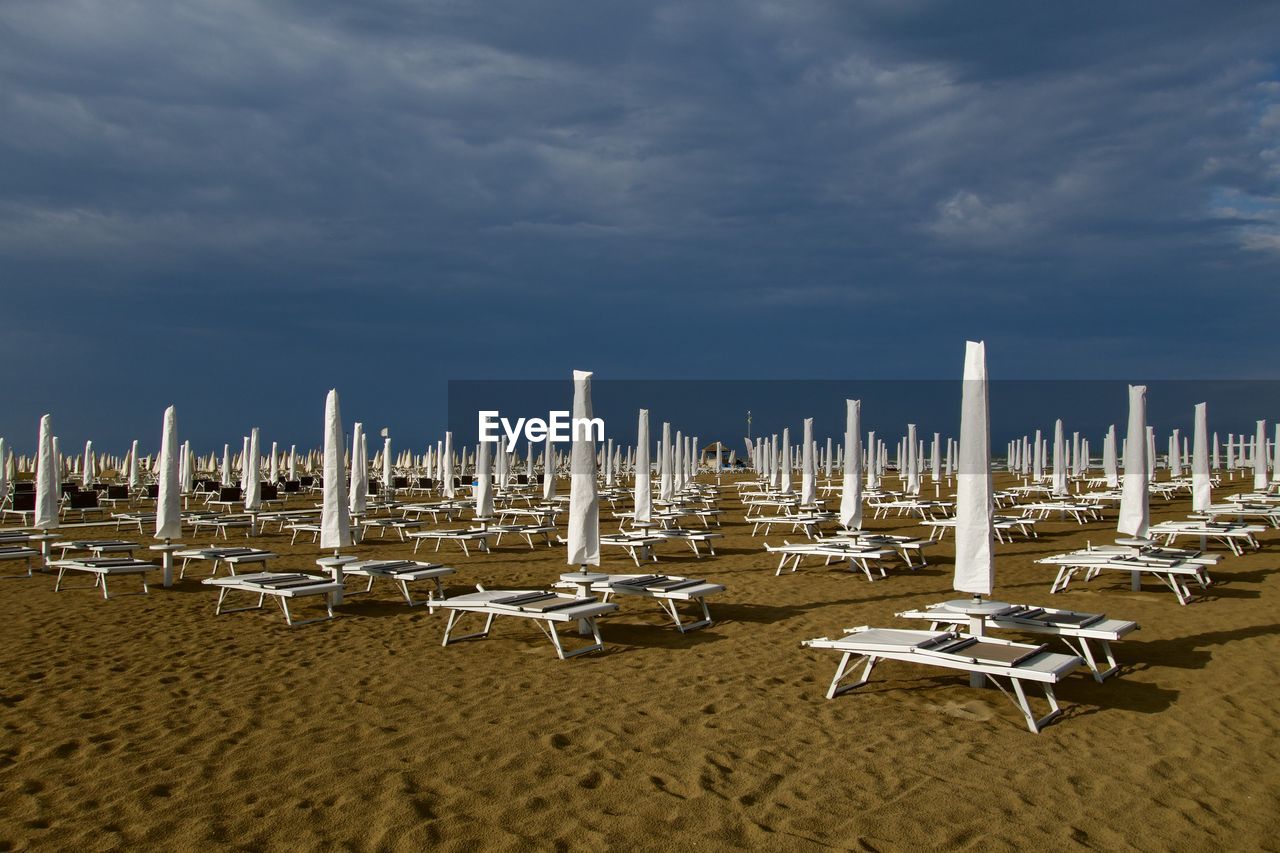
(279, 585)
(98, 547)
(462, 537)
(993, 658)
(690, 537)
(402, 573)
(102, 568)
(859, 558)
(233, 557)
(1073, 628)
(19, 552)
(545, 609)
(1173, 572)
(637, 545)
(1235, 536)
(663, 589)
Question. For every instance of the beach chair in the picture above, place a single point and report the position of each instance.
(13, 551)
(233, 557)
(860, 558)
(83, 503)
(102, 568)
(663, 589)
(1174, 570)
(545, 609)
(402, 573)
(23, 505)
(994, 659)
(1075, 629)
(282, 587)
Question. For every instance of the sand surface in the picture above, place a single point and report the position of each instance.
(146, 722)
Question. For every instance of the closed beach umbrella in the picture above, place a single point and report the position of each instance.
(86, 467)
(252, 478)
(584, 506)
(226, 465)
(168, 505)
(851, 488)
(975, 566)
(274, 475)
(1201, 488)
(1134, 507)
(446, 475)
(644, 498)
(666, 484)
(359, 492)
(1059, 461)
(335, 520)
(548, 470)
(484, 479)
(808, 474)
(1109, 465)
(133, 466)
(786, 460)
(1260, 457)
(46, 512)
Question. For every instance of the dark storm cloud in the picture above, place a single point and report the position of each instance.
(393, 193)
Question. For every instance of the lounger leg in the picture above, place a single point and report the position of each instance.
(837, 688)
(105, 594)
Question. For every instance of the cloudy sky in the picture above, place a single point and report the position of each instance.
(237, 205)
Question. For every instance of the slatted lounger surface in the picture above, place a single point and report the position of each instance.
(663, 589)
(1072, 627)
(403, 573)
(19, 552)
(102, 568)
(1172, 571)
(545, 609)
(995, 659)
(281, 586)
(233, 557)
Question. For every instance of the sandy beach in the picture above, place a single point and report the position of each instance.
(144, 721)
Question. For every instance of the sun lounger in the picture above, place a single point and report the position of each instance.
(637, 545)
(403, 573)
(102, 568)
(691, 537)
(280, 586)
(545, 609)
(992, 658)
(19, 552)
(233, 557)
(222, 523)
(663, 589)
(98, 547)
(1235, 536)
(1073, 628)
(859, 557)
(1173, 572)
(461, 536)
